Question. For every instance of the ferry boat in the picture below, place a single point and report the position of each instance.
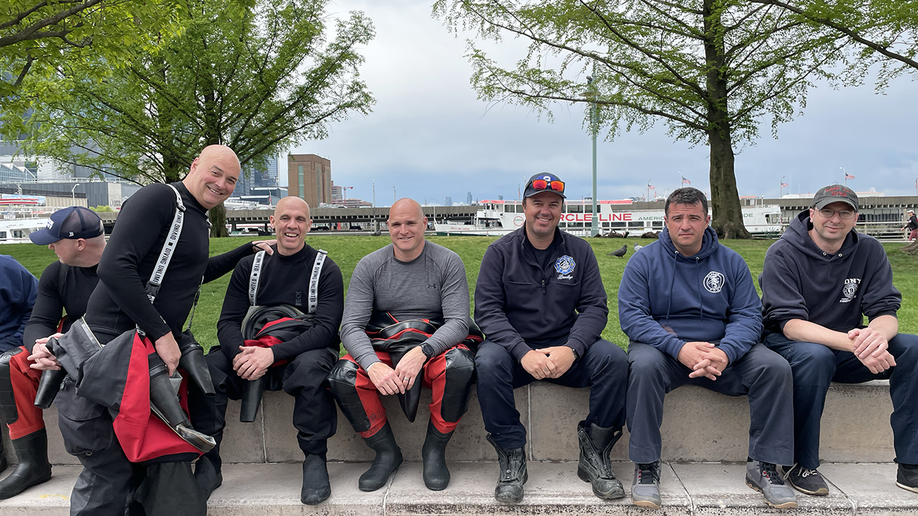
(16, 231)
(496, 218)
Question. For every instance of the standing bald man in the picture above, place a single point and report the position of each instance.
(405, 318)
(107, 484)
(297, 360)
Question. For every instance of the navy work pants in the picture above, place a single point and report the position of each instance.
(760, 374)
(815, 366)
(603, 368)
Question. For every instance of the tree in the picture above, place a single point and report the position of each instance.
(708, 69)
(36, 36)
(887, 30)
(256, 76)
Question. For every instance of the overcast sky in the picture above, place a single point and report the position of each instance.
(429, 137)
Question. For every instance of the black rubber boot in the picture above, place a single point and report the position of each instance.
(165, 404)
(513, 473)
(433, 455)
(252, 391)
(48, 386)
(316, 488)
(33, 468)
(192, 362)
(388, 459)
(595, 466)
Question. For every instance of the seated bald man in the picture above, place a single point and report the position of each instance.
(406, 320)
(274, 334)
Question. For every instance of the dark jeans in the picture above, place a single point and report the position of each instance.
(760, 374)
(815, 366)
(603, 368)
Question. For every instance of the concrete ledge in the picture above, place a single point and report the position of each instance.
(553, 489)
(698, 425)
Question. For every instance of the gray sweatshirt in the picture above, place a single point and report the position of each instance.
(432, 285)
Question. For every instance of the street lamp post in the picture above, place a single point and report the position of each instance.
(590, 94)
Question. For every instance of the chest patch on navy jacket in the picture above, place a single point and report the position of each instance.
(714, 282)
(850, 290)
(565, 266)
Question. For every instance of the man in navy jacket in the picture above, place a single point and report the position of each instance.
(690, 308)
(541, 304)
(819, 281)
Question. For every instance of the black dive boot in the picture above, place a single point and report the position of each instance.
(388, 459)
(595, 466)
(252, 391)
(33, 468)
(192, 362)
(165, 405)
(433, 455)
(316, 488)
(513, 473)
(48, 386)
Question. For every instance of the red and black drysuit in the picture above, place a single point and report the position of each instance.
(304, 352)
(449, 375)
(119, 303)
(62, 289)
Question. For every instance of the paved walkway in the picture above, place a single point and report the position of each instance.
(553, 489)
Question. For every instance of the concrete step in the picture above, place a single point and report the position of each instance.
(696, 489)
(698, 425)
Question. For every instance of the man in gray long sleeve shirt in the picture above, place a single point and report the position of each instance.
(405, 317)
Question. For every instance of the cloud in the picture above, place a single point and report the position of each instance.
(430, 137)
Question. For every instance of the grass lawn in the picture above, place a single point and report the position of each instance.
(347, 250)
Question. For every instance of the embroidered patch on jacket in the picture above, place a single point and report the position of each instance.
(850, 290)
(714, 282)
(565, 266)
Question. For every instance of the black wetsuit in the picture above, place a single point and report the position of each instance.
(311, 355)
(105, 485)
(62, 289)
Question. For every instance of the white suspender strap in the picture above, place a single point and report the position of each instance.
(165, 255)
(255, 275)
(314, 281)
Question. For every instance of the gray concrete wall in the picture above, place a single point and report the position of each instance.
(698, 425)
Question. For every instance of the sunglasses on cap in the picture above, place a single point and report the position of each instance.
(542, 184)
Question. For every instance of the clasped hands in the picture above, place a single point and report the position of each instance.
(550, 362)
(704, 359)
(870, 347)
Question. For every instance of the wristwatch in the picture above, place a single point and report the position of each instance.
(576, 355)
(428, 350)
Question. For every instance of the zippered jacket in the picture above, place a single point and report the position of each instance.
(521, 306)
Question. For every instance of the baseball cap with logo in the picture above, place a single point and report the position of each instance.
(544, 182)
(73, 222)
(834, 193)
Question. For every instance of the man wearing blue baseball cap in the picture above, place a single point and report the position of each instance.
(76, 236)
(541, 303)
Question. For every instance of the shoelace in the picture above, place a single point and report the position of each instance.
(647, 474)
(770, 472)
(800, 472)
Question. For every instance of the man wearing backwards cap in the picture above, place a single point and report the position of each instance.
(76, 236)
(819, 281)
(912, 225)
(542, 306)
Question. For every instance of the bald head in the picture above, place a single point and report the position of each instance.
(407, 224)
(213, 175)
(291, 202)
(291, 222)
(406, 206)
